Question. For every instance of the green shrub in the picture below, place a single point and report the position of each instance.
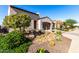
(1, 37)
(2, 44)
(14, 42)
(14, 39)
(21, 48)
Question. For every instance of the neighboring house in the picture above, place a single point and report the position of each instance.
(58, 24)
(76, 25)
(44, 23)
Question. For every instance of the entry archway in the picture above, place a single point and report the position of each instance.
(46, 25)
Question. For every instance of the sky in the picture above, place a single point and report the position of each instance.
(3, 12)
(55, 12)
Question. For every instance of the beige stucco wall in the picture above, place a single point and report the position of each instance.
(39, 25)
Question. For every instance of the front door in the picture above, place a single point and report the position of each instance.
(46, 25)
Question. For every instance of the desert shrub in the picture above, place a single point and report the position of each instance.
(58, 35)
(3, 30)
(41, 50)
(14, 42)
(52, 43)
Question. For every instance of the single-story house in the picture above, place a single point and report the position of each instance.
(37, 22)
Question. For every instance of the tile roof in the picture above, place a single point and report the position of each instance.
(23, 10)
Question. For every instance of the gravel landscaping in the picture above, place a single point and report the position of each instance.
(60, 47)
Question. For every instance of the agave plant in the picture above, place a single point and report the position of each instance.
(41, 50)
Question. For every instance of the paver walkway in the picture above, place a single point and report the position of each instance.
(74, 36)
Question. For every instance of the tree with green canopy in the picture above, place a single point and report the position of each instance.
(70, 23)
(17, 21)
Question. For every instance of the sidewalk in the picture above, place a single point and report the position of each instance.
(74, 36)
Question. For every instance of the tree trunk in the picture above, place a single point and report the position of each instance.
(14, 28)
(23, 29)
(20, 29)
